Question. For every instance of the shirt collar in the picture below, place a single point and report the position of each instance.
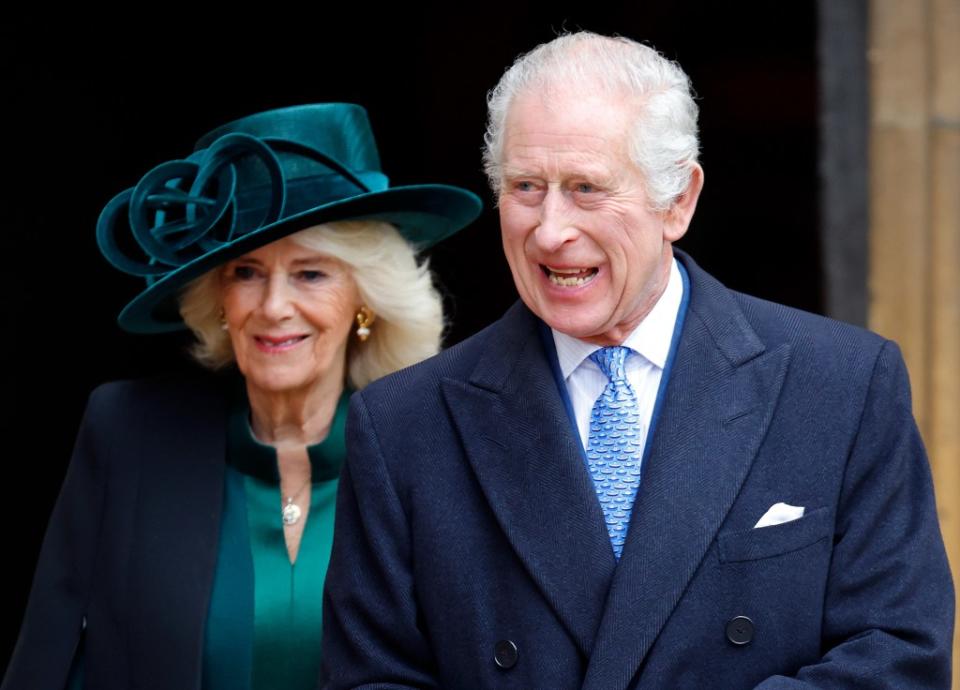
(651, 338)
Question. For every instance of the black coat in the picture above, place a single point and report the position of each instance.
(128, 559)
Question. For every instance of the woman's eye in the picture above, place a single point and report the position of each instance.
(524, 186)
(586, 188)
(244, 273)
(312, 276)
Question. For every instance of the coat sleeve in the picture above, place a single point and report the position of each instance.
(55, 614)
(371, 637)
(888, 613)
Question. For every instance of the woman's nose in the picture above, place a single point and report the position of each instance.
(277, 300)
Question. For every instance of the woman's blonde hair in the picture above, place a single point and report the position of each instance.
(409, 311)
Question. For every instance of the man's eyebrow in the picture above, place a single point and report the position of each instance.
(515, 171)
(599, 174)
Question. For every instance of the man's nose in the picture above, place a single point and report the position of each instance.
(556, 226)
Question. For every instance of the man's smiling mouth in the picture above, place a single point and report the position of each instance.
(569, 277)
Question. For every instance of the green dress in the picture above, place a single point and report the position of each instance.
(264, 621)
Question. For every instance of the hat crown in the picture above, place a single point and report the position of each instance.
(340, 131)
(241, 177)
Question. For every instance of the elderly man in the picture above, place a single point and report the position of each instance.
(636, 478)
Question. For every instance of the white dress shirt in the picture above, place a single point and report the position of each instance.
(650, 342)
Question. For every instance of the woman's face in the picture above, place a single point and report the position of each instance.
(289, 312)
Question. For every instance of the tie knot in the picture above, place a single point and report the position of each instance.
(611, 361)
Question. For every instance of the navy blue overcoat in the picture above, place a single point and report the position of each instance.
(470, 548)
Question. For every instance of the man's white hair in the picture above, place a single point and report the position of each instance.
(663, 141)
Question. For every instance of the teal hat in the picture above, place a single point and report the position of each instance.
(254, 181)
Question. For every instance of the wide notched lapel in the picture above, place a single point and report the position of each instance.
(179, 502)
(718, 405)
(519, 441)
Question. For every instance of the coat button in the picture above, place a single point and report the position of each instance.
(740, 630)
(505, 654)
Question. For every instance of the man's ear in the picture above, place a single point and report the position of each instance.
(680, 213)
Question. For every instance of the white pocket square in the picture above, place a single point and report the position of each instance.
(778, 514)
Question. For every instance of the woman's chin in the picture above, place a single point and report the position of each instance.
(279, 382)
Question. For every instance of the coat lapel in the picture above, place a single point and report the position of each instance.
(519, 441)
(177, 527)
(719, 401)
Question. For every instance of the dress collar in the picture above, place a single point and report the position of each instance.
(251, 457)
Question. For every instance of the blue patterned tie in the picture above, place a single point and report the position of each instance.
(613, 444)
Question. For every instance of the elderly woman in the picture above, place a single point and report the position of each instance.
(190, 542)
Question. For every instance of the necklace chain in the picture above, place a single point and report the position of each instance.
(296, 493)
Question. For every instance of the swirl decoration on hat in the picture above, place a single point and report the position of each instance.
(183, 209)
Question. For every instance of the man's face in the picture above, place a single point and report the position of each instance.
(587, 255)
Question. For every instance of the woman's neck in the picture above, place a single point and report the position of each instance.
(294, 419)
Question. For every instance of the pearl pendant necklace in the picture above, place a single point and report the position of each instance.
(291, 512)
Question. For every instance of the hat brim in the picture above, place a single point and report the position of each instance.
(424, 215)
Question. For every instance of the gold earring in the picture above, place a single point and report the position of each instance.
(365, 318)
(223, 320)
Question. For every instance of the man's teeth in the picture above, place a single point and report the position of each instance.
(571, 277)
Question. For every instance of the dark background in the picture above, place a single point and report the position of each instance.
(91, 106)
